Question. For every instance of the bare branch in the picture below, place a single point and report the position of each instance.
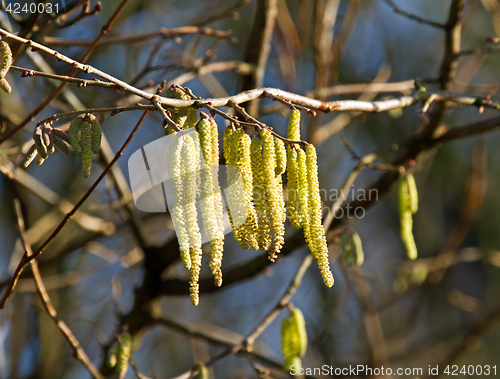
(47, 303)
(413, 17)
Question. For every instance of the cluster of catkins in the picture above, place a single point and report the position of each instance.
(408, 205)
(84, 136)
(294, 339)
(5, 63)
(259, 162)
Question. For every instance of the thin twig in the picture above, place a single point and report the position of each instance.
(162, 32)
(47, 303)
(413, 17)
(28, 258)
(257, 331)
(105, 30)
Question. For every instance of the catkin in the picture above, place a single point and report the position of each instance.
(189, 168)
(96, 132)
(177, 213)
(60, 144)
(352, 249)
(317, 243)
(274, 193)
(294, 126)
(292, 204)
(74, 129)
(412, 193)
(303, 194)
(293, 338)
(179, 115)
(211, 202)
(41, 147)
(86, 143)
(259, 194)
(5, 58)
(279, 147)
(5, 63)
(30, 156)
(248, 230)
(47, 140)
(124, 351)
(237, 216)
(406, 207)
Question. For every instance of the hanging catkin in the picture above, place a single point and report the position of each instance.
(259, 194)
(317, 242)
(293, 338)
(292, 170)
(248, 230)
(211, 211)
(274, 193)
(124, 351)
(5, 63)
(189, 168)
(408, 202)
(177, 212)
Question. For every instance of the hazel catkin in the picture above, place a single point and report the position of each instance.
(5, 63)
(407, 204)
(317, 243)
(293, 338)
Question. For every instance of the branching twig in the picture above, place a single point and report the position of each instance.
(257, 331)
(47, 303)
(28, 258)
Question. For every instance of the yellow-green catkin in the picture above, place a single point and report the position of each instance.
(112, 358)
(86, 141)
(179, 115)
(96, 132)
(237, 214)
(189, 168)
(293, 338)
(5, 63)
(274, 193)
(192, 118)
(124, 351)
(294, 126)
(292, 204)
(406, 207)
(211, 213)
(174, 164)
(248, 230)
(74, 129)
(279, 147)
(293, 170)
(259, 194)
(303, 194)
(413, 193)
(317, 243)
(352, 249)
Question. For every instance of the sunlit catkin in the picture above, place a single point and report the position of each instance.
(303, 194)
(292, 204)
(274, 193)
(279, 147)
(248, 230)
(174, 160)
(317, 243)
(5, 63)
(412, 192)
(124, 351)
(236, 191)
(179, 115)
(406, 205)
(189, 168)
(210, 211)
(259, 194)
(293, 338)
(294, 126)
